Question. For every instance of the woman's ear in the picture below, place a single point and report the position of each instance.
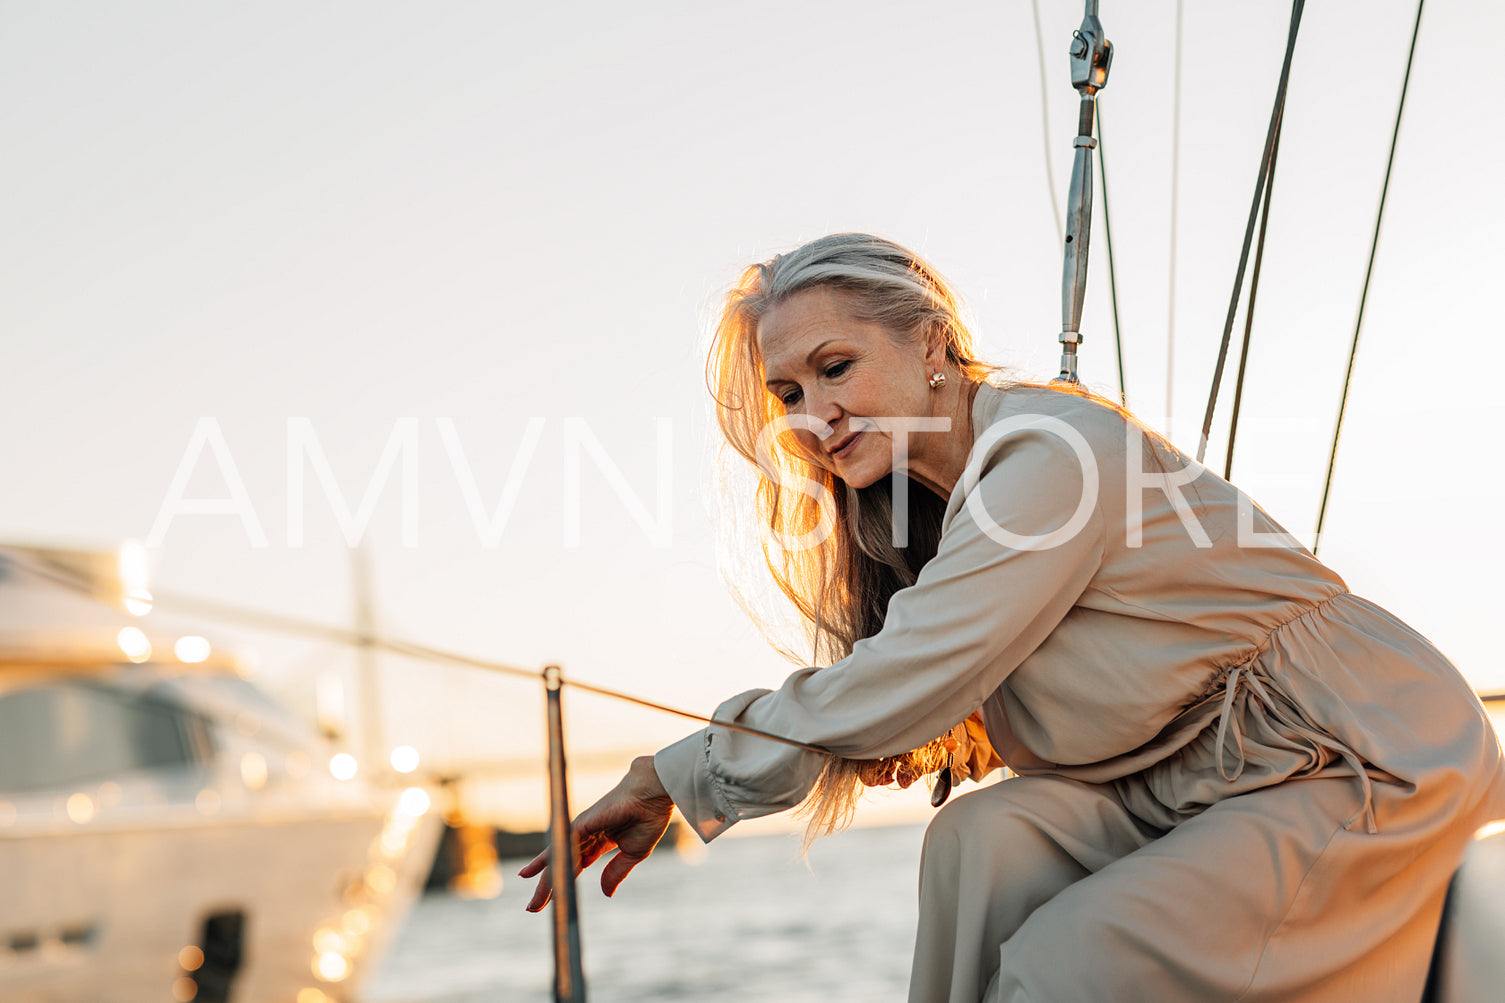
(935, 347)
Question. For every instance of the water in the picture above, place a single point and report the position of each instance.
(747, 921)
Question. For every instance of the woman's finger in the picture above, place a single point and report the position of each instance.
(541, 893)
(616, 871)
(591, 849)
(535, 865)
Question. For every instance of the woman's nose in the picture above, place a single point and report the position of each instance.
(826, 409)
(813, 439)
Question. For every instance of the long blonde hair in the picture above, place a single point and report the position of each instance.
(840, 587)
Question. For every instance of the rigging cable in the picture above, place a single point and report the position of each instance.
(1050, 170)
(1243, 358)
(1374, 244)
(1118, 338)
(228, 613)
(1271, 135)
(1170, 307)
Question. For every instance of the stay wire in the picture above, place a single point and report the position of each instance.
(1271, 136)
(1243, 358)
(1170, 270)
(1118, 338)
(241, 616)
(1050, 170)
(1374, 243)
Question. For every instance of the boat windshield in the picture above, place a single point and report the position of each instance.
(63, 733)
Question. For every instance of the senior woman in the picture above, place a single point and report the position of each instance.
(1236, 779)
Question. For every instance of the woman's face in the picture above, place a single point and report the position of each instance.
(822, 361)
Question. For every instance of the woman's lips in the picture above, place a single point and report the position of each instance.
(846, 446)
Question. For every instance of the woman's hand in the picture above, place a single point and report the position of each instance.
(631, 817)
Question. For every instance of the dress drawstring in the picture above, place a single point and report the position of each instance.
(1227, 718)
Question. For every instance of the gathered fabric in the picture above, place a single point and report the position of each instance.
(1228, 720)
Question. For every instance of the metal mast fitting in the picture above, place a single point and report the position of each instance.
(1091, 55)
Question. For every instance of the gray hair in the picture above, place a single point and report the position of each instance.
(892, 286)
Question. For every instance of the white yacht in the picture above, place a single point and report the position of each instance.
(167, 831)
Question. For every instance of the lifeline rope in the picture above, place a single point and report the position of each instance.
(1374, 244)
(1271, 138)
(282, 623)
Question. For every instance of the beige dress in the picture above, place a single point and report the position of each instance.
(1238, 780)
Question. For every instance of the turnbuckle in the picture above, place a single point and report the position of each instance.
(1091, 57)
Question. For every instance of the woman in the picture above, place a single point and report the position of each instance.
(1237, 779)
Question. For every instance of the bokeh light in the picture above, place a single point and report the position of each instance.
(342, 766)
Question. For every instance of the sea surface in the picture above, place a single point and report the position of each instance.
(742, 919)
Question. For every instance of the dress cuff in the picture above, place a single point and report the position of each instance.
(684, 770)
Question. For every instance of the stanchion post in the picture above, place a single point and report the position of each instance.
(569, 976)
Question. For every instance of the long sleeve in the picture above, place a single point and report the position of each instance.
(977, 610)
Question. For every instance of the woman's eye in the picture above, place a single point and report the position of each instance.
(790, 397)
(836, 370)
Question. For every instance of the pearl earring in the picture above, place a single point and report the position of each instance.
(937, 380)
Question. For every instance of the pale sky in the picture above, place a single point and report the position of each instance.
(357, 213)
